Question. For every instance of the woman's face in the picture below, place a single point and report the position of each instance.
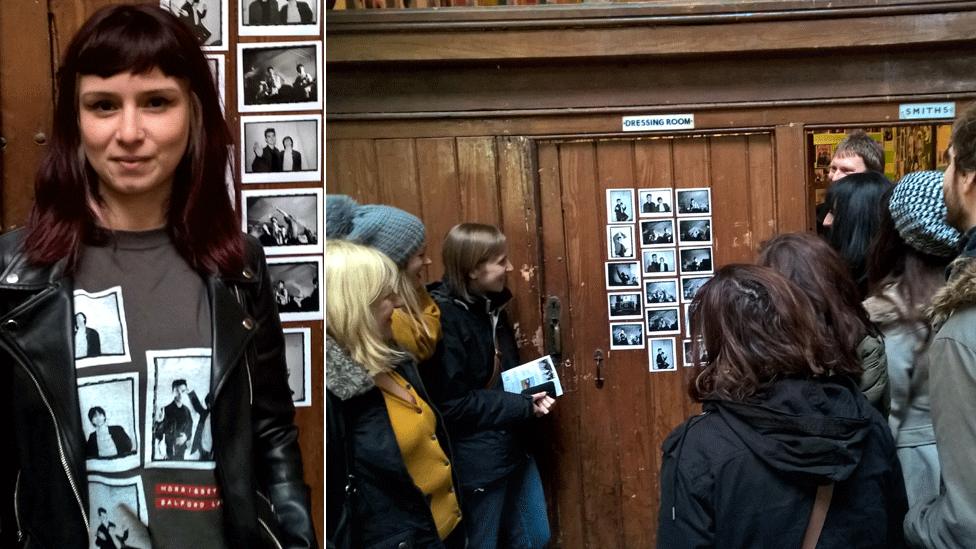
(134, 132)
(416, 264)
(490, 276)
(383, 313)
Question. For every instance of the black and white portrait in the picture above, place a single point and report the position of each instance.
(218, 69)
(688, 325)
(281, 148)
(657, 233)
(663, 321)
(285, 221)
(660, 354)
(660, 292)
(206, 19)
(694, 201)
(696, 260)
(278, 17)
(688, 356)
(620, 242)
(620, 206)
(179, 397)
(655, 202)
(696, 230)
(626, 335)
(295, 283)
(690, 286)
(298, 358)
(118, 513)
(100, 332)
(624, 305)
(623, 275)
(279, 76)
(109, 406)
(659, 262)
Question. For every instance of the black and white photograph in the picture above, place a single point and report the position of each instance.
(655, 202)
(119, 516)
(657, 233)
(207, 19)
(284, 221)
(625, 305)
(278, 17)
(295, 282)
(279, 76)
(298, 358)
(109, 406)
(688, 320)
(218, 68)
(696, 201)
(281, 148)
(101, 334)
(620, 206)
(660, 292)
(660, 354)
(664, 321)
(696, 260)
(659, 262)
(626, 335)
(695, 231)
(535, 376)
(690, 286)
(178, 399)
(620, 242)
(623, 275)
(688, 357)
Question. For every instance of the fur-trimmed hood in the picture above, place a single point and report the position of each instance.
(344, 377)
(888, 307)
(959, 291)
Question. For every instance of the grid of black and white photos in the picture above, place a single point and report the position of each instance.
(659, 246)
(298, 358)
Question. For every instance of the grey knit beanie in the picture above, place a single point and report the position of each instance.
(396, 233)
(918, 210)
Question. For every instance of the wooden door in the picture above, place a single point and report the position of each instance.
(603, 459)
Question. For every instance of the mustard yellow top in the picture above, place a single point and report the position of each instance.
(408, 333)
(415, 428)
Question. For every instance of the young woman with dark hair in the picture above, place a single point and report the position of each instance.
(853, 220)
(855, 347)
(133, 227)
(777, 432)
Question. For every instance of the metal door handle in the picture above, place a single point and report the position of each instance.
(554, 342)
(598, 358)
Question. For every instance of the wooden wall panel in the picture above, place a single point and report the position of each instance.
(352, 169)
(762, 188)
(396, 169)
(437, 177)
(731, 200)
(478, 179)
(793, 210)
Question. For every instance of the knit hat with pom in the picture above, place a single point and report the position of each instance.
(918, 210)
(396, 233)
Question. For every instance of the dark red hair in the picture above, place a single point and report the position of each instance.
(200, 219)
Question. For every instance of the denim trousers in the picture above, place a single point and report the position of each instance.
(510, 513)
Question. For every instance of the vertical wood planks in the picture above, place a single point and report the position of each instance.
(396, 169)
(793, 211)
(477, 174)
(762, 188)
(437, 179)
(731, 199)
(355, 171)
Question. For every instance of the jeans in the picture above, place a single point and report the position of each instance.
(510, 513)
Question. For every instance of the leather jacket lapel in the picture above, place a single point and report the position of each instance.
(235, 330)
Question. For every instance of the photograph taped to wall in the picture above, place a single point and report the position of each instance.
(658, 233)
(279, 76)
(206, 19)
(218, 69)
(695, 231)
(178, 399)
(663, 321)
(281, 148)
(278, 17)
(109, 406)
(661, 292)
(118, 507)
(621, 275)
(696, 201)
(688, 356)
(620, 242)
(696, 260)
(295, 283)
(659, 262)
(298, 358)
(625, 305)
(626, 335)
(656, 202)
(688, 325)
(620, 205)
(660, 355)
(286, 221)
(101, 333)
(690, 286)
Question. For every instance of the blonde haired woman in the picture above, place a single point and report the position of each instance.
(402, 238)
(390, 478)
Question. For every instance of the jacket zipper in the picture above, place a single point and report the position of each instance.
(20, 531)
(247, 363)
(271, 535)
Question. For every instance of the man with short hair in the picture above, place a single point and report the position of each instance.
(949, 520)
(267, 159)
(661, 206)
(856, 153)
(648, 206)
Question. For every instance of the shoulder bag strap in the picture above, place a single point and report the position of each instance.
(817, 516)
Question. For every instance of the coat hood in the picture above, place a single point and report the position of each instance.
(888, 307)
(959, 291)
(811, 429)
(344, 377)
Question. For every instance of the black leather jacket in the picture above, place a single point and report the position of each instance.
(259, 468)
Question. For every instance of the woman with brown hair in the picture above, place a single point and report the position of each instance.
(855, 347)
(777, 432)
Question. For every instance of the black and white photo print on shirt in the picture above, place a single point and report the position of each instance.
(109, 415)
(100, 332)
(178, 402)
(117, 508)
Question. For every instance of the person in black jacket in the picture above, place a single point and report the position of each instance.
(777, 430)
(501, 490)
